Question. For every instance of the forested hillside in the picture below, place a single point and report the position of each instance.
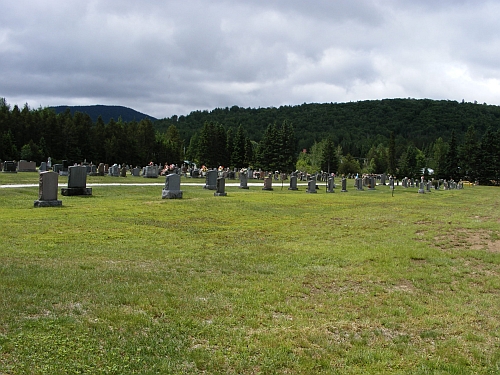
(355, 126)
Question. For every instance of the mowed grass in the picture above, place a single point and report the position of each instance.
(257, 282)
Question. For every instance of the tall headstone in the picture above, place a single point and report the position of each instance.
(383, 179)
(344, 185)
(243, 180)
(391, 183)
(136, 172)
(268, 183)
(77, 181)
(114, 170)
(211, 180)
(123, 171)
(172, 189)
(421, 189)
(221, 187)
(311, 185)
(47, 190)
(43, 167)
(64, 170)
(100, 169)
(372, 183)
(293, 182)
(330, 185)
(359, 183)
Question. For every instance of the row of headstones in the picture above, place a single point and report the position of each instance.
(21, 166)
(48, 186)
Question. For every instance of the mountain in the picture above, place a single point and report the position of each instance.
(107, 112)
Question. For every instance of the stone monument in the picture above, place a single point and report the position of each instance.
(221, 187)
(47, 190)
(211, 180)
(77, 181)
(172, 189)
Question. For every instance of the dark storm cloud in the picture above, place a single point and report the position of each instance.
(171, 57)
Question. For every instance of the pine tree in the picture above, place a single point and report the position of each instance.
(329, 161)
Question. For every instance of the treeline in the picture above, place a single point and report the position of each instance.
(36, 134)
(355, 126)
(403, 137)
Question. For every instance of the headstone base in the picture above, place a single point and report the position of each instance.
(343, 191)
(270, 189)
(290, 188)
(421, 191)
(210, 187)
(76, 191)
(220, 194)
(54, 203)
(243, 187)
(171, 194)
(330, 191)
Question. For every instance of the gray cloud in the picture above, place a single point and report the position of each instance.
(170, 57)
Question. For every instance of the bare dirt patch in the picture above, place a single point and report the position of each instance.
(468, 239)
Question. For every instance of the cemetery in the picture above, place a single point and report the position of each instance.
(162, 275)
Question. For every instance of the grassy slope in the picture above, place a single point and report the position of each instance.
(255, 282)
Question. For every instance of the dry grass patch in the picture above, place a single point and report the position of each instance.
(468, 239)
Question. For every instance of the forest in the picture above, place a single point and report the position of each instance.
(403, 137)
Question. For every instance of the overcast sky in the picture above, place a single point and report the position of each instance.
(165, 57)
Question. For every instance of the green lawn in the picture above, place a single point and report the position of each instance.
(257, 282)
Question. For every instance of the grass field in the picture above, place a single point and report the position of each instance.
(257, 282)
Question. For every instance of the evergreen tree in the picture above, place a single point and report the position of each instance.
(329, 162)
(468, 154)
(238, 149)
(391, 167)
(451, 169)
(488, 170)
(349, 165)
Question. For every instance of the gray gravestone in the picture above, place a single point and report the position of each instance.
(359, 183)
(344, 185)
(26, 166)
(311, 185)
(172, 189)
(47, 190)
(391, 183)
(136, 172)
(43, 167)
(211, 180)
(57, 168)
(421, 189)
(100, 169)
(77, 181)
(330, 185)
(372, 183)
(383, 179)
(221, 187)
(293, 182)
(10, 167)
(150, 171)
(268, 183)
(243, 180)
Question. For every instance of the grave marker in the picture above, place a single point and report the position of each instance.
(77, 182)
(211, 180)
(172, 189)
(221, 187)
(47, 190)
